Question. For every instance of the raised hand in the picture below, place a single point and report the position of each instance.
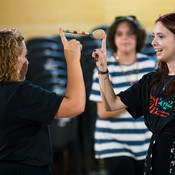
(72, 48)
(99, 56)
(74, 99)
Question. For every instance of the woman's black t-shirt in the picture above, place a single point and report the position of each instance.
(26, 112)
(141, 99)
(159, 114)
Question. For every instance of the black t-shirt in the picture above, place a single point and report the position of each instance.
(26, 112)
(157, 109)
(159, 114)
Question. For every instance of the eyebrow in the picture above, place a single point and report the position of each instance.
(158, 33)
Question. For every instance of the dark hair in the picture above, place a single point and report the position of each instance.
(168, 21)
(139, 31)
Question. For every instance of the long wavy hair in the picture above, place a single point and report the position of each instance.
(168, 21)
(10, 51)
(134, 24)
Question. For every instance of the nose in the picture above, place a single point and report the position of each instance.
(27, 61)
(125, 35)
(153, 41)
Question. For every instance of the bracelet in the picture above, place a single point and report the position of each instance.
(100, 72)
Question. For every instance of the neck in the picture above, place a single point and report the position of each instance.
(171, 68)
(125, 58)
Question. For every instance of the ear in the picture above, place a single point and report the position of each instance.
(19, 63)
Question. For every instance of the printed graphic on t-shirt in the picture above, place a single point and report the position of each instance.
(160, 107)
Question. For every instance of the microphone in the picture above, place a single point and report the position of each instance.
(97, 34)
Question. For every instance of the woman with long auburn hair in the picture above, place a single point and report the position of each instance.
(152, 96)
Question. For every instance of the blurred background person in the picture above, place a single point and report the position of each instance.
(119, 139)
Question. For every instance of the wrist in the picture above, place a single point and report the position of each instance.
(103, 72)
(103, 76)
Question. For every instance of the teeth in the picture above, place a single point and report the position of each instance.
(158, 50)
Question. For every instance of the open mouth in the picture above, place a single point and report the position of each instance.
(159, 50)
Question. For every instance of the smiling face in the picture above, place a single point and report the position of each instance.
(164, 43)
(125, 38)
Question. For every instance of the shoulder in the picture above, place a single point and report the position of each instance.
(147, 61)
(27, 89)
(147, 77)
(27, 85)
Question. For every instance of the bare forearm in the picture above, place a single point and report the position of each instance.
(108, 114)
(110, 100)
(74, 101)
(75, 85)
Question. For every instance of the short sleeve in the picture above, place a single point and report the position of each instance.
(135, 97)
(37, 104)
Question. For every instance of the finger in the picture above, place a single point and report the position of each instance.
(95, 58)
(95, 55)
(81, 47)
(63, 38)
(103, 46)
